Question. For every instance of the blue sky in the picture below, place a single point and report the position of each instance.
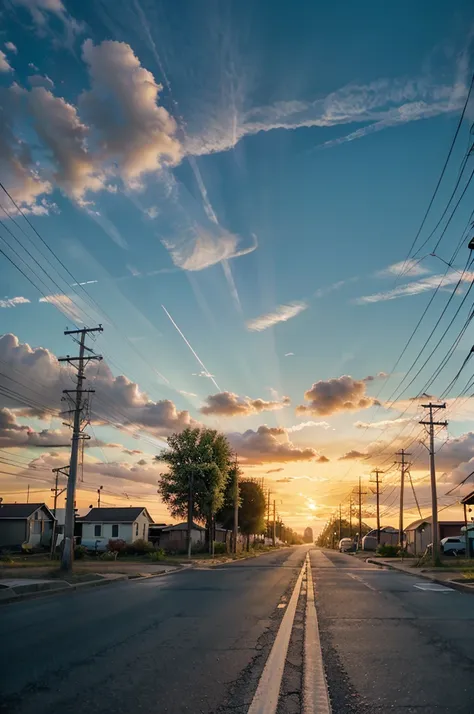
(234, 183)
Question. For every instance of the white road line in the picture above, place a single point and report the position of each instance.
(265, 700)
(315, 690)
(359, 580)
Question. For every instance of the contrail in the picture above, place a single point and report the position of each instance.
(194, 353)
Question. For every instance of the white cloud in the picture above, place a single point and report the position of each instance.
(289, 354)
(411, 268)
(13, 302)
(74, 310)
(38, 80)
(336, 395)
(4, 64)
(41, 12)
(384, 423)
(308, 425)
(11, 47)
(415, 287)
(228, 404)
(13, 434)
(281, 314)
(187, 394)
(152, 212)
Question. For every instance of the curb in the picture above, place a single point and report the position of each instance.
(426, 576)
(60, 590)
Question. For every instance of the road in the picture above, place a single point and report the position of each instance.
(198, 641)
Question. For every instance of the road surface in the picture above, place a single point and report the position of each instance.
(199, 640)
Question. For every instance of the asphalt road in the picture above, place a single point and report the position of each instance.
(197, 641)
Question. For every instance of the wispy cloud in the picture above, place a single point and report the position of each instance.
(321, 292)
(208, 374)
(307, 425)
(384, 423)
(411, 268)
(281, 314)
(415, 287)
(13, 302)
(289, 354)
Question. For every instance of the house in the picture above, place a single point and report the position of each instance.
(388, 536)
(27, 525)
(175, 537)
(154, 532)
(103, 524)
(418, 535)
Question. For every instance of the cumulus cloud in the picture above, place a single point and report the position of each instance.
(41, 12)
(11, 47)
(4, 63)
(14, 301)
(117, 399)
(281, 314)
(268, 444)
(38, 80)
(13, 434)
(229, 404)
(353, 454)
(323, 459)
(336, 395)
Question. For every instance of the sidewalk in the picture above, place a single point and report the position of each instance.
(441, 576)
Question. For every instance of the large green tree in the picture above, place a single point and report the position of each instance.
(251, 509)
(198, 462)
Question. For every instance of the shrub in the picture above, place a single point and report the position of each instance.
(140, 547)
(117, 546)
(80, 552)
(388, 551)
(5, 556)
(156, 555)
(220, 548)
(109, 555)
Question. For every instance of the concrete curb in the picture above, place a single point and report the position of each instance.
(426, 576)
(59, 590)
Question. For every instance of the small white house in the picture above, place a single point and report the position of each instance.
(103, 524)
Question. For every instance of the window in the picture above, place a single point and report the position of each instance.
(144, 531)
(136, 529)
(115, 530)
(97, 531)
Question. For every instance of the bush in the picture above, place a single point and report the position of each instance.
(156, 555)
(388, 551)
(140, 547)
(117, 546)
(80, 552)
(220, 548)
(109, 555)
(5, 556)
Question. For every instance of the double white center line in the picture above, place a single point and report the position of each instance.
(315, 694)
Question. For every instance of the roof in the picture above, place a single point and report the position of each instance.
(469, 499)
(182, 527)
(115, 515)
(21, 510)
(421, 521)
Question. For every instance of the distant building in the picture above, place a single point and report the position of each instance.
(308, 535)
(175, 537)
(388, 536)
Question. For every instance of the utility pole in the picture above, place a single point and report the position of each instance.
(274, 524)
(377, 495)
(340, 521)
(98, 495)
(268, 514)
(430, 423)
(402, 453)
(64, 470)
(79, 422)
(350, 516)
(28, 493)
(236, 507)
(360, 493)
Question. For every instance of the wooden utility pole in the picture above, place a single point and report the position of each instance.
(64, 470)
(360, 493)
(274, 524)
(403, 464)
(268, 514)
(430, 423)
(236, 507)
(28, 493)
(350, 516)
(79, 422)
(340, 521)
(377, 496)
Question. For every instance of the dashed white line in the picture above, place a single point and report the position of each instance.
(315, 690)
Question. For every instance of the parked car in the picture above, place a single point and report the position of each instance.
(346, 545)
(453, 546)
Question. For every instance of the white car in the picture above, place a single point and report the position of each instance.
(453, 545)
(346, 545)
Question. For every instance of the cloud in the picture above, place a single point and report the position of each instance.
(321, 292)
(384, 423)
(323, 459)
(336, 395)
(289, 354)
(379, 375)
(67, 306)
(117, 399)
(129, 452)
(204, 246)
(411, 267)
(38, 80)
(281, 314)
(267, 445)
(287, 479)
(13, 434)
(378, 104)
(41, 12)
(353, 454)
(307, 425)
(229, 404)
(11, 47)
(416, 287)
(4, 64)
(14, 301)
(152, 212)
(187, 394)
(275, 471)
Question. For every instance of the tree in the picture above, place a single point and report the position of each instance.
(193, 487)
(251, 509)
(225, 515)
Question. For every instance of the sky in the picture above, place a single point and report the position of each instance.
(267, 207)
